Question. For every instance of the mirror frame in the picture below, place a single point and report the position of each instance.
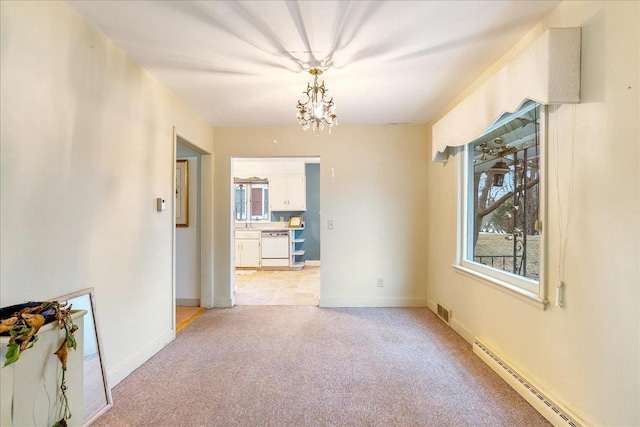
(107, 389)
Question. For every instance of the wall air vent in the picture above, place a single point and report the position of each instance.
(444, 313)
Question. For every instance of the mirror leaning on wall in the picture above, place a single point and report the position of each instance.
(97, 394)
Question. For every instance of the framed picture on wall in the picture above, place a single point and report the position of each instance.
(295, 221)
(182, 193)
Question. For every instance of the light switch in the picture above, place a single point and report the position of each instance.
(161, 204)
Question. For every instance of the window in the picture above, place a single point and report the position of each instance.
(502, 190)
(251, 200)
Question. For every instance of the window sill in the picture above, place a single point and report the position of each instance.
(521, 294)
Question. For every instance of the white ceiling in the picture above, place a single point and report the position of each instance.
(245, 63)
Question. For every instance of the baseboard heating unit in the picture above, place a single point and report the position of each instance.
(555, 413)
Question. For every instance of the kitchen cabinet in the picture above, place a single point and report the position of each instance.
(287, 193)
(247, 248)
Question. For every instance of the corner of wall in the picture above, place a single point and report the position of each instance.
(455, 324)
(137, 359)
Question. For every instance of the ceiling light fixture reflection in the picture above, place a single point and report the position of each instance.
(318, 110)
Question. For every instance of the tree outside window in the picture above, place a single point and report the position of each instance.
(504, 195)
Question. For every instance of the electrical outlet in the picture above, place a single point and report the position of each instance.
(330, 224)
(380, 282)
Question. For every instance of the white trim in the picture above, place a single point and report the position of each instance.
(372, 302)
(454, 323)
(135, 361)
(312, 263)
(206, 231)
(535, 401)
(206, 221)
(542, 200)
(223, 302)
(508, 288)
(188, 302)
(232, 240)
(501, 277)
(172, 223)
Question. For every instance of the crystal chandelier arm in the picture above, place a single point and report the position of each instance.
(318, 109)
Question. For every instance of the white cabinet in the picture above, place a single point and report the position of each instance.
(297, 193)
(287, 193)
(247, 248)
(278, 193)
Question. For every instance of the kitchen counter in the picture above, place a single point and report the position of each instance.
(268, 226)
(273, 246)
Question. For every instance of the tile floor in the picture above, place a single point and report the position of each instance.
(268, 287)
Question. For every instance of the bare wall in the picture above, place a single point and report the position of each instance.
(373, 186)
(87, 146)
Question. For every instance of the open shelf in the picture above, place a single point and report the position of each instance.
(295, 249)
(297, 265)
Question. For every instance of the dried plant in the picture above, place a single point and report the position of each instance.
(23, 327)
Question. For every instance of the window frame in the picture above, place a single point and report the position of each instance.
(264, 202)
(236, 204)
(528, 290)
(248, 200)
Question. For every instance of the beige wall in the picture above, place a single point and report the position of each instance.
(87, 146)
(586, 354)
(373, 186)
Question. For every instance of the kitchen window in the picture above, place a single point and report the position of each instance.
(502, 190)
(251, 199)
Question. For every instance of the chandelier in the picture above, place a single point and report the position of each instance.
(317, 111)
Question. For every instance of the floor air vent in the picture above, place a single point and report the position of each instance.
(444, 313)
(553, 412)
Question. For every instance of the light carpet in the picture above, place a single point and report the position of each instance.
(310, 366)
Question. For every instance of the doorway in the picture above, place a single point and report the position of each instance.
(266, 287)
(188, 232)
(276, 274)
(192, 237)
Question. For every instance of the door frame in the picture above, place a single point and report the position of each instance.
(206, 222)
(232, 240)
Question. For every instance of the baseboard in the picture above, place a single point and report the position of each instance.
(372, 302)
(555, 413)
(455, 324)
(134, 362)
(188, 302)
(223, 302)
(312, 263)
(545, 404)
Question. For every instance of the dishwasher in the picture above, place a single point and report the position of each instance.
(275, 248)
